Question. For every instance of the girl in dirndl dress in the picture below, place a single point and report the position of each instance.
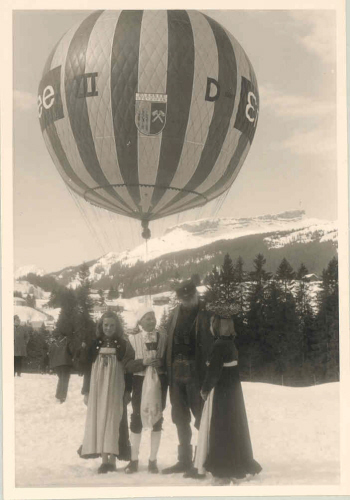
(224, 447)
(106, 392)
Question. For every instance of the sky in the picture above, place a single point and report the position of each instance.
(292, 163)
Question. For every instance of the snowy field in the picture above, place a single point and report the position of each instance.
(294, 432)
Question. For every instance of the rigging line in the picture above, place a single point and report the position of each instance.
(221, 201)
(97, 223)
(224, 198)
(114, 222)
(91, 216)
(215, 206)
(120, 224)
(132, 240)
(148, 288)
(98, 227)
(104, 218)
(100, 216)
(85, 211)
(113, 231)
(82, 213)
(88, 210)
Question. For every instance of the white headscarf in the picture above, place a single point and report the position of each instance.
(141, 313)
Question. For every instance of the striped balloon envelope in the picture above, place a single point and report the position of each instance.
(148, 113)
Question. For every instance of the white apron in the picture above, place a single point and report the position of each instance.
(203, 434)
(105, 405)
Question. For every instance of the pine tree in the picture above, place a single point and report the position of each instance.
(306, 320)
(85, 326)
(326, 340)
(220, 295)
(259, 274)
(273, 345)
(290, 337)
(65, 298)
(227, 280)
(240, 293)
(302, 272)
(302, 292)
(37, 350)
(256, 344)
(212, 282)
(285, 274)
(240, 299)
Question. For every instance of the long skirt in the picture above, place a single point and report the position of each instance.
(106, 415)
(224, 446)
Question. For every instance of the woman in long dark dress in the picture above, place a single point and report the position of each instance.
(224, 446)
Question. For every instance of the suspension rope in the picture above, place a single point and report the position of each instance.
(77, 201)
(148, 288)
(114, 221)
(100, 218)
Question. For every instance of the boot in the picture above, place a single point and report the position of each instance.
(184, 461)
(133, 466)
(193, 473)
(103, 468)
(153, 467)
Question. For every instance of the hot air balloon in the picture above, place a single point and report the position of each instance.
(148, 113)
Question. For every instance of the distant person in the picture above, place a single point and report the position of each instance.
(224, 447)
(45, 361)
(189, 343)
(60, 356)
(106, 395)
(149, 387)
(21, 338)
(80, 358)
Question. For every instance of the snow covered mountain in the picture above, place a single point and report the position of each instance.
(197, 246)
(25, 270)
(286, 228)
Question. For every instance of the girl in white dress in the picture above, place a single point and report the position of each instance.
(149, 387)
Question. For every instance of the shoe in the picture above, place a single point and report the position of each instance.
(153, 467)
(133, 466)
(193, 474)
(221, 481)
(103, 469)
(178, 467)
(112, 468)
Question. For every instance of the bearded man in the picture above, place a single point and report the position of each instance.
(189, 342)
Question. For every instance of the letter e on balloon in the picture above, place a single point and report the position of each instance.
(50, 106)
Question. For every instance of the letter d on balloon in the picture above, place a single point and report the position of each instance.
(210, 82)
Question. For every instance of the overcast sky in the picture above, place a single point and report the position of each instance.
(292, 163)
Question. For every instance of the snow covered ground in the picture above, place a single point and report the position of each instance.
(294, 432)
